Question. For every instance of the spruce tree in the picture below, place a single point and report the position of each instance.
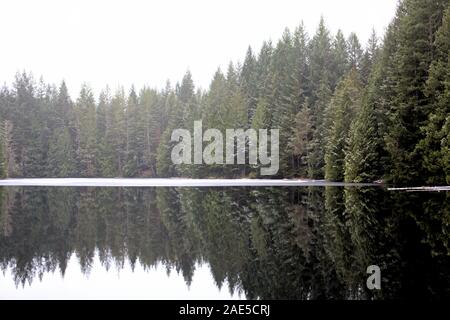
(2, 151)
(135, 133)
(341, 57)
(248, 82)
(153, 121)
(301, 136)
(104, 149)
(355, 52)
(342, 110)
(409, 110)
(369, 57)
(62, 159)
(362, 159)
(85, 113)
(322, 82)
(434, 147)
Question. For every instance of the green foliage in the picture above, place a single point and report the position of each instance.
(345, 104)
(434, 147)
(2, 152)
(344, 111)
(409, 106)
(62, 155)
(301, 136)
(85, 114)
(164, 165)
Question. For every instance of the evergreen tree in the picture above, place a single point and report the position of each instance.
(3, 164)
(25, 115)
(135, 134)
(116, 135)
(363, 159)
(322, 83)
(63, 160)
(236, 115)
(170, 105)
(369, 58)
(316, 147)
(248, 82)
(85, 113)
(342, 110)
(341, 58)
(302, 135)
(409, 107)
(263, 68)
(104, 150)
(261, 120)
(355, 52)
(153, 121)
(434, 147)
(186, 97)
(164, 165)
(214, 112)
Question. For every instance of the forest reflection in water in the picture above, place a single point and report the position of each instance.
(268, 243)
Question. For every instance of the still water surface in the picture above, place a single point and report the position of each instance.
(282, 242)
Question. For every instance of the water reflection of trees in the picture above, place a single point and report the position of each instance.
(271, 243)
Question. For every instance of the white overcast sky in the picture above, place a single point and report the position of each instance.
(148, 42)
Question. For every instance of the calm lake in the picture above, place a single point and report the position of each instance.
(304, 240)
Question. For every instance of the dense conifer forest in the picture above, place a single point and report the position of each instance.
(346, 111)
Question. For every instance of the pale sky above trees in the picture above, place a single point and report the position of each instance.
(148, 42)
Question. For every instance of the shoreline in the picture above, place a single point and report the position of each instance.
(175, 182)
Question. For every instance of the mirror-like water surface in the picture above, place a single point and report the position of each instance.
(235, 242)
